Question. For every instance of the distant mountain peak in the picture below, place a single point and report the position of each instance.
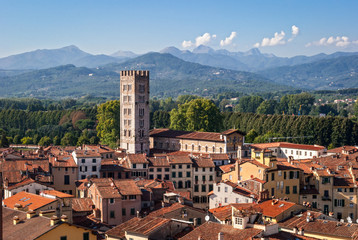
(203, 49)
(172, 50)
(124, 54)
(253, 51)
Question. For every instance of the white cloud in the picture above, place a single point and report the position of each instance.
(256, 45)
(203, 40)
(187, 44)
(295, 30)
(339, 41)
(228, 40)
(278, 39)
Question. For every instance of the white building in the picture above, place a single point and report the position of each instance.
(296, 151)
(225, 193)
(88, 162)
(27, 185)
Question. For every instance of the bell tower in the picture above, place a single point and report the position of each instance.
(134, 135)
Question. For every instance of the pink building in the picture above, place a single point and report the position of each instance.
(116, 201)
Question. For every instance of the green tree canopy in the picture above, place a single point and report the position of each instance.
(108, 127)
(196, 115)
(45, 141)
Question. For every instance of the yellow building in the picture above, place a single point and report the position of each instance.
(282, 179)
(66, 231)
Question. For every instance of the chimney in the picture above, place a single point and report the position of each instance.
(54, 220)
(195, 222)
(64, 218)
(17, 206)
(220, 236)
(16, 220)
(30, 214)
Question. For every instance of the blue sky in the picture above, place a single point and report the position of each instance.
(284, 28)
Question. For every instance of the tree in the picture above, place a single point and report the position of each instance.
(26, 140)
(69, 139)
(196, 115)
(45, 141)
(56, 141)
(251, 135)
(249, 103)
(4, 142)
(267, 107)
(108, 127)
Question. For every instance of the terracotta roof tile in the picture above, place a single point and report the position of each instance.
(179, 159)
(138, 158)
(227, 168)
(56, 194)
(82, 204)
(273, 210)
(32, 201)
(143, 226)
(288, 145)
(168, 133)
(230, 131)
(159, 162)
(333, 229)
(210, 231)
(202, 162)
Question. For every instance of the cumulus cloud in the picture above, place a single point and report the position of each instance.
(204, 39)
(295, 30)
(278, 39)
(228, 40)
(339, 41)
(187, 44)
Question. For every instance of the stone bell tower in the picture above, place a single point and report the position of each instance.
(134, 136)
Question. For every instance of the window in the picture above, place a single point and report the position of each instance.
(188, 166)
(132, 211)
(272, 176)
(173, 174)
(211, 177)
(63, 238)
(141, 88)
(203, 188)
(86, 236)
(159, 169)
(83, 160)
(196, 188)
(67, 179)
(166, 169)
(141, 112)
(94, 168)
(151, 176)
(134, 165)
(225, 200)
(159, 176)
(218, 189)
(211, 187)
(351, 205)
(173, 166)
(151, 169)
(294, 189)
(339, 202)
(123, 211)
(141, 123)
(187, 174)
(93, 160)
(166, 177)
(225, 189)
(272, 191)
(351, 190)
(180, 174)
(292, 174)
(180, 166)
(111, 200)
(339, 189)
(238, 221)
(111, 214)
(287, 189)
(203, 177)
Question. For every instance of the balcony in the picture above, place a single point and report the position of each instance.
(326, 198)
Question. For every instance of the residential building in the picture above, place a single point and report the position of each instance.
(137, 163)
(116, 201)
(292, 150)
(88, 163)
(27, 185)
(65, 172)
(226, 192)
(277, 210)
(134, 111)
(159, 168)
(204, 179)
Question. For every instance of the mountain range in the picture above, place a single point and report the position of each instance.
(72, 72)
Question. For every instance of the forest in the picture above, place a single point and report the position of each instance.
(296, 117)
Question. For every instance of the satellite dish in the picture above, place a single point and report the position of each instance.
(207, 218)
(357, 220)
(308, 214)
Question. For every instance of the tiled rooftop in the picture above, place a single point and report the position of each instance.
(32, 201)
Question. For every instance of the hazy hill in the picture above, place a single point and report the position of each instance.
(336, 73)
(46, 58)
(170, 76)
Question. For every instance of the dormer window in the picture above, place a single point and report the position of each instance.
(238, 221)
